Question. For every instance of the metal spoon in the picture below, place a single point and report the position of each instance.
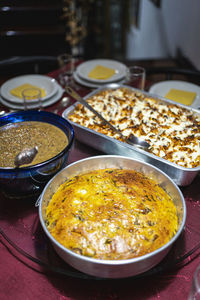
(2, 113)
(26, 156)
(63, 103)
(132, 140)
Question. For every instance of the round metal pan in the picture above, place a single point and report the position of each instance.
(113, 268)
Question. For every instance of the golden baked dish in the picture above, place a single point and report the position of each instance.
(111, 214)
(172, 131)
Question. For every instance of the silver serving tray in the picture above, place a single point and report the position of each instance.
(113, 268)
(181, 175)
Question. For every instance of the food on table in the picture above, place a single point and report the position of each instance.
(184, 97)
(101, 73)
(17, 92)
(16, 137)
(173, 132)
(111, 214)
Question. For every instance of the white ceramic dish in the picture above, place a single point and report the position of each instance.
(84, 69)
(45, 103)
(163, 87)
(91, 84)
(47, 83)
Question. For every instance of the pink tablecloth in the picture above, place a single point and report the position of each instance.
(22, 279)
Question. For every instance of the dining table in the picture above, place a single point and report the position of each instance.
(31, 269)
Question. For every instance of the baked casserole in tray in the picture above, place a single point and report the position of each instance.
(172, 130)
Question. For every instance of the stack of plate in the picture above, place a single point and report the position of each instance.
(52, 89)
(82, 71)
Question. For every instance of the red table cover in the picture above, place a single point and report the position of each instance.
(24, 279)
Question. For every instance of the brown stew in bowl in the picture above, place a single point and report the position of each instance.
(16, 137)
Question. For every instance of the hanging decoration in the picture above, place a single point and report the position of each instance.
(98, 28)
(75, 13)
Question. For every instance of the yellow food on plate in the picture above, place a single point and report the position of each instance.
(101, 73)
(184, 97)
(17, 92)
(111, 214)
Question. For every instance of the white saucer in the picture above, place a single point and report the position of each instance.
(47, 83)
(91, 84)
(45, 103)
(84, 69)
(163, 87)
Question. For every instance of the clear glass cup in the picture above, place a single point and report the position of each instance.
(67, 66)
(32, 96)
(195, 289)
(135, 77)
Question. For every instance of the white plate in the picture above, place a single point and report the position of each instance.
(91, 84)
(84, 69)
(163, 87)
(42, 81)
(45, 103)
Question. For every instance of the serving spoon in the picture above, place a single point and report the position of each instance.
(2, 113)
(63, 103)
(26, 156)
(131, 140)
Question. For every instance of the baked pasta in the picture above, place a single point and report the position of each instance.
(111, 214)
(172, 131)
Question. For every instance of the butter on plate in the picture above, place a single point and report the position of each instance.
(183, 97)
(17, 92)
(101, 73)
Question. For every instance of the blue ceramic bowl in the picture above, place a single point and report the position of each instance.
(30, 181)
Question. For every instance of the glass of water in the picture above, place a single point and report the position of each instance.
(67, 65)
(32, 97)
(135, 77)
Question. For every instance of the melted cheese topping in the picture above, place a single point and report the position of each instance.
(173, 132)
(111, 214)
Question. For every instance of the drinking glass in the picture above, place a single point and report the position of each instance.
(32, 96)
(67, 64)
(135, 77)
(195, 289)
